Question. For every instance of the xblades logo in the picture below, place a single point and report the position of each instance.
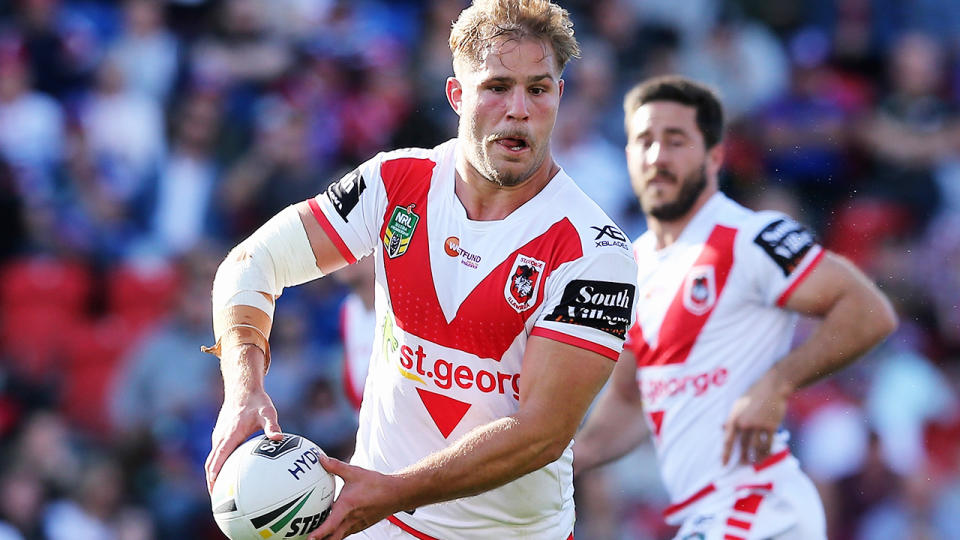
(617, 238)
(611, 231)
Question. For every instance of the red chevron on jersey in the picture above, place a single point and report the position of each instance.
(415, 303)
(690, 310)
(656, 418)
(445, 411)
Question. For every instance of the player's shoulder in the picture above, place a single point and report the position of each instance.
(599, 234)
(773, 235)
(753, 223)
(436, 154)
(407, 168)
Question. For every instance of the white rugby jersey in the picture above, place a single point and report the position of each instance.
(709, 323)
(456, 301)
(357, 328)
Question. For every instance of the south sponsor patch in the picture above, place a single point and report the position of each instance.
(344, 194)
(604, 305)
(786, 242)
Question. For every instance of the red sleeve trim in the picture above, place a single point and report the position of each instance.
(803, 275)
(576, 342)
(331, 232)
(772, 460)
(676, 507)
(410, 530)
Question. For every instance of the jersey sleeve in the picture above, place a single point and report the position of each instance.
(779, 254)
(589, 302)
(350, 210)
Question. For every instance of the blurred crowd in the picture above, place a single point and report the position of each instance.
(141, 139)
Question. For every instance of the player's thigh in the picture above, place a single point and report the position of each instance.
(791, 512)
(383, 530)
(812, 523)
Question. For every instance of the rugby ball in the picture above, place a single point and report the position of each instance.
(272, 489)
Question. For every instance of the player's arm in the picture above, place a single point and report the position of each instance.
(557, 384)
(288, 250)
(615, 425)
(854, 316)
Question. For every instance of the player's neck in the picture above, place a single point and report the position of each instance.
(484, 200)
(667, 232)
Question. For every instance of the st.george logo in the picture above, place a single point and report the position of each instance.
(523, 283)
(699, 290)
(399, 232)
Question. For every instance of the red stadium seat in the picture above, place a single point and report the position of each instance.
(35, 340)
(142, 294)
(94, 354)
(860, 228)
(45, 281)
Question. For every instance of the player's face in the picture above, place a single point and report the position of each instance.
(667, 159)
(508, 106)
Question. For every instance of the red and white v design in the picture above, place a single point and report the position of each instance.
(681, 327)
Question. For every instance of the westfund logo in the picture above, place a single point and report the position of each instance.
(604, 305)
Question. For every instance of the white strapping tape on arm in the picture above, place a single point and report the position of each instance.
(277, 255)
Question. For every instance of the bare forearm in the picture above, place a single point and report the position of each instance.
(613, 429)
(485, 458)
(243, 368)
(856, 323)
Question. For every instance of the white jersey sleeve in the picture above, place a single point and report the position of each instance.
(351, 209)
(779, 253)
(590, 301)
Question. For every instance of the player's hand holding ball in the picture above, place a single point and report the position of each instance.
(272, 489)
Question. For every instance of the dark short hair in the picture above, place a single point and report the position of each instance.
(685, 92)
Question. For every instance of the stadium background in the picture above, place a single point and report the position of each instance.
(140, 140)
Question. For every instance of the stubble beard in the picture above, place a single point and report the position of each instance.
(690, 190)
(482, 161)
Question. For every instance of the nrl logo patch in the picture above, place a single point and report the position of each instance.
(699, 290)
(396, 239)
(523, 283)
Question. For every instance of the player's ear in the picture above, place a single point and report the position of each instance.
(560, 87)
(454, 93)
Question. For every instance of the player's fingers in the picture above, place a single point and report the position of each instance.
(764, 440)
(220, 453)
(328, 528)
(206, 470)
(271, 427)
(729, 435)
(214, 463)
(335, 466)
(746, 445)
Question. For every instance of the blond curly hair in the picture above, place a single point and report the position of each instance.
(478, 26)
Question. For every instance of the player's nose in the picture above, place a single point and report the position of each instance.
(518, 107)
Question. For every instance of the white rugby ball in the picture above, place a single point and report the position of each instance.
(272, 489)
